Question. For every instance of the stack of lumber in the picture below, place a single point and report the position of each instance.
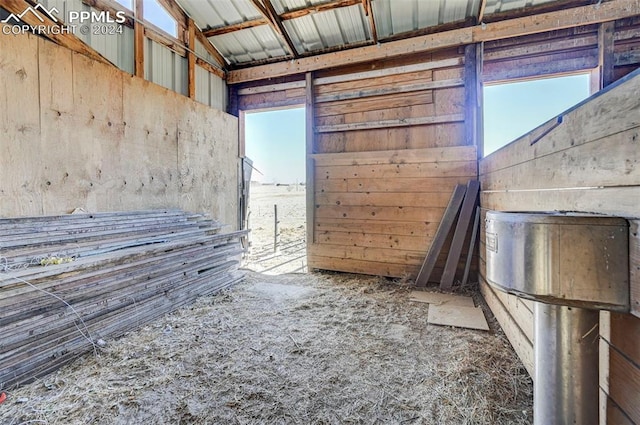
(67, 282)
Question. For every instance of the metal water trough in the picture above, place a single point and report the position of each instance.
(572, 266)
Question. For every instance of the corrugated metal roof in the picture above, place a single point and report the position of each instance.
(336, 28)
(399, 16)
(332, 28)
(218, 13)
(250, 45)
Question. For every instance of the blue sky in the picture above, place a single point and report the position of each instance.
(155, 14)
(511, 110)
(275, 142)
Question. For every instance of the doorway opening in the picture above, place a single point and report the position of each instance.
(513, 109)
(274, 143)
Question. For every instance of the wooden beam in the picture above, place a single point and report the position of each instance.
(362, 93)
(606, 53)
(210, 68)
(212, 32)
(210, 48)
(272, 88)
(159, 36)
(275, 22)
(471, 78)
(292, 14)
(63, 38)
(138, 40)
(561, 19)
(368, 10)
(191, 59)
(481, 9)
(298, 13)
(396, 70)
(310, 161)
(403, 122)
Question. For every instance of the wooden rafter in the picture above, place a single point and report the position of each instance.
(210, 48)
(235, 27)
(275, 22)
(63, 38)
(481, 9)
(368, 10)
(323, 7)
(551, 21)
(292, 14)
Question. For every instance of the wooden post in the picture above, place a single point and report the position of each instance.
(276, 233)
(605, 53)
(310, 165)
(138, 43)
(473, 92)
(191, 59)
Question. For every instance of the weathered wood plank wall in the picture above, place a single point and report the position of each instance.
(589, 163)
(77, 133)
(389, 146)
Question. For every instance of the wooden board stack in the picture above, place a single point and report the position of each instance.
(68, 281)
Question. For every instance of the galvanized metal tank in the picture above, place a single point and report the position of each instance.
(573, 266)
(565, 259)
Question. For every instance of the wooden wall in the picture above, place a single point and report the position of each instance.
(80, 134)
(589, 163)
(389, 146)
(614, 45)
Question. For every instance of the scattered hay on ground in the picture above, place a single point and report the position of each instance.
(290, 349)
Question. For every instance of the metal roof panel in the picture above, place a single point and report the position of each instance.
(249, 45)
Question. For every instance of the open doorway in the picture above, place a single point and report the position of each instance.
(512, 109)
(274, 140)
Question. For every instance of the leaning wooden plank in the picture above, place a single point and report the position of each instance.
(468, 207)
(472, 245)
(441, 235)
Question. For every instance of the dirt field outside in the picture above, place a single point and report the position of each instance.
(290, 256)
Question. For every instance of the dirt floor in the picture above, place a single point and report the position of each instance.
(289, 349)
(321, 348)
